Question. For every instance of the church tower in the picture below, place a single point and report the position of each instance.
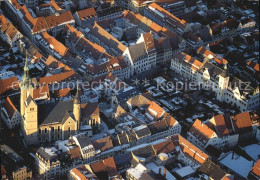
(30, 127)
(223, 83)
(77, 108)
(26, 87)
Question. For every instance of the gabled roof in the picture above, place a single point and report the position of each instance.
(55, 20)
(84, 140)
(158, 126)
(145, 152)
(242, 122)
(164, 147)
(86, 13)
(52, 4)
(201, 131)
(55, 44)
(106, 38)
(104, 168)
(9, 107)
(155, 110)
(189, 149)
(220, 125)
(89, 109)
(212, 170)
(169, 119)
(50, 113)
(7, 27)
(142, 131)
(103, 144)
(210, 55)
(256, 168)
(8, 84)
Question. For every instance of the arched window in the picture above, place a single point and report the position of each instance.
(69, 129)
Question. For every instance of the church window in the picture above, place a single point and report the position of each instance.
(69, 129)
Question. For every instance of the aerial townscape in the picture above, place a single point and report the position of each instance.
(129, 89)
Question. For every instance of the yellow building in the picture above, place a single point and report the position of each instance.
(50, 121)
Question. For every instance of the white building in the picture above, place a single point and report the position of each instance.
(10, 115)
(209, 76)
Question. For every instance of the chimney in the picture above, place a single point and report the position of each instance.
(164, 172)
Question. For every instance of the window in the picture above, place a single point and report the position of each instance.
(58, 128)
(69, 129)
(31, 109)
(52, 129)
(45, 130)
(40, 131)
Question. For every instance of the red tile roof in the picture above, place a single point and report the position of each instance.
(201, 131)
(55, 44)
(220, 125)
(9, 107)
(242, 122)
(164, 147)
(189, 149)
(8, 84)
(253, 65)
(169, 119)
(77, 174)
(206, 53)
(86, 13)
(107, 165)
(7, 27)
(103, 144)
(256, 168)
(55, 20)
(154, 107)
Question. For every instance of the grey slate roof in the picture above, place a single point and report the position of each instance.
(83, 140)
(46, 156)
(51, 113)
(137, 52)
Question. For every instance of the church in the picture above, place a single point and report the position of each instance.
(50, 121)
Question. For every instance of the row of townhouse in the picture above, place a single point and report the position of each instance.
(148, 52)
(97, 34)
(50, 45)
(117, 66)
(8, 33)
(209, 76)
(218, 31)
(177, 7)
(32, 25)
(223, 131)
(90, 52)
(88, 16)
(62, 159)
(48, 8)
(231, 27)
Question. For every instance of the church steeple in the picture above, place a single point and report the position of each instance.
(26, 81)
(77, 98)
(25, 86)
